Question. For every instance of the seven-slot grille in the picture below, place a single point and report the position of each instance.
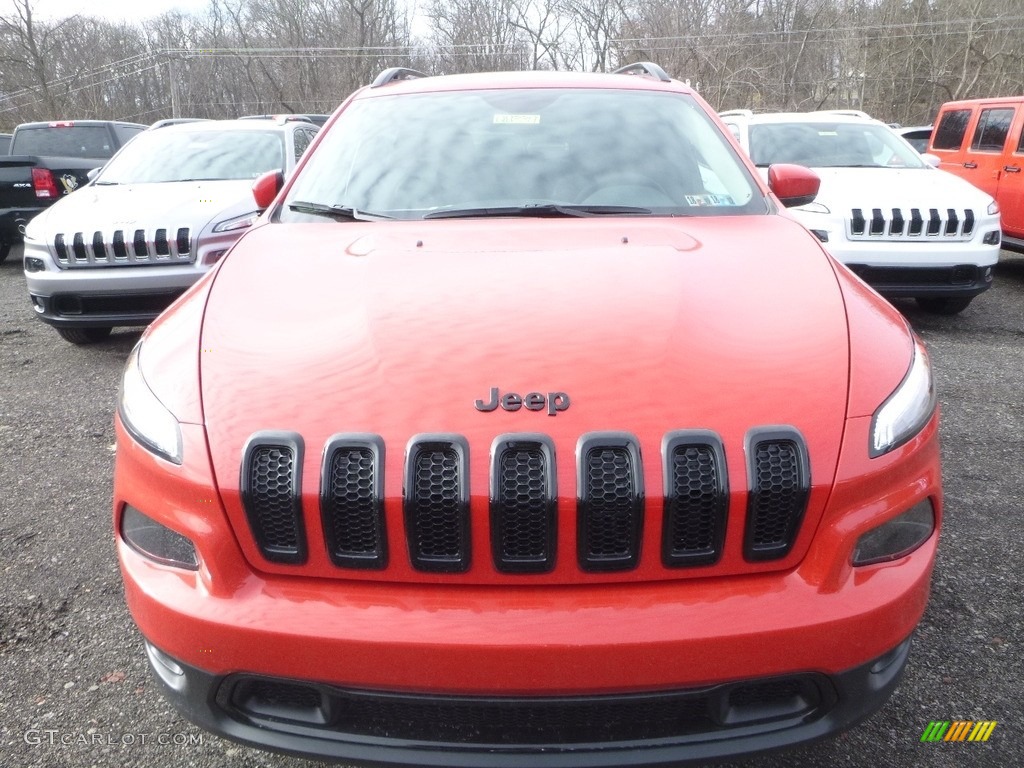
(523, 500)
(914, 223)
(139, 246)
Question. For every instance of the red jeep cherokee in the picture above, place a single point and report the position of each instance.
(527, 430)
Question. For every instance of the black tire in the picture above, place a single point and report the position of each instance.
(84, 335)
(5, 250)
(944, 305)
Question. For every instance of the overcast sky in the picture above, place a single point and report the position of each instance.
(129, 10)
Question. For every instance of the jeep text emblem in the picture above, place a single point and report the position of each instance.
(555, 402)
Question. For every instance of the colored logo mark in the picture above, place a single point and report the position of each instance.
(958, 730)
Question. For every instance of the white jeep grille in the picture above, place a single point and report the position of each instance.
(139, 246)
(911, 224)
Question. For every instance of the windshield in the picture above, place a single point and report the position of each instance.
(93, 141)
(830, 145)
(523, 152)
(164, 155)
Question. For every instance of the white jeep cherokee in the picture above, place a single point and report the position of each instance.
(907, 228)
(158, 215)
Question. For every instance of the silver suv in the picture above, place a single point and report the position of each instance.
(160, 213)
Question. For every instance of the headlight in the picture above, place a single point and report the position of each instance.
(144, 416)
(814, 207)
(906, 410)
(237, 222)
(993, 208)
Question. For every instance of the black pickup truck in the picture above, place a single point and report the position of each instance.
(49, 160)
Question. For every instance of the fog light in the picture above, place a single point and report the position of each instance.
(213, 256)
(991, 238)
(898, 537)
(32, 264)
(157, 542)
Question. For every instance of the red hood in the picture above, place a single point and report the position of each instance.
(648, 325)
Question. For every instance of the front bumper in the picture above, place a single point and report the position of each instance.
(662, 728)
(278, 660)
(960, 280)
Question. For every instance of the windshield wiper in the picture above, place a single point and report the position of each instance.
(540, 210)
(337, 212)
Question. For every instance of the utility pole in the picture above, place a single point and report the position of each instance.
(173, 75)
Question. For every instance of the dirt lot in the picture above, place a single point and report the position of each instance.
(75, 689)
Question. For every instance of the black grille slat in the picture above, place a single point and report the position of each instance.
(184, 244)
(352, 501)
(523, 504)
(968, 222)
(952, 222)
(916, 222)
(610, 502)
(120, 251)
(934, 221)
(78, 247)
(436, 503)
(877, 222)
(271, 495)
(99, 248)
(60, 246)
(897, 222)
(779, 475)
(139, 243)
(857, 222)
(696, 499)
(163, 248)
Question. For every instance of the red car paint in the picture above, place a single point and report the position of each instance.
(646, 325)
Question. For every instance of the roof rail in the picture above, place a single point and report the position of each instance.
(843, 112)
(747, 113)
(393, 74)
(644, 68)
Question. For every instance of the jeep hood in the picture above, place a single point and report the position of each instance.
(145, 206)
(648, 326)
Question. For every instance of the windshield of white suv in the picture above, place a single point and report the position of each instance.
(830, 145)
(163, 155)
(522, 152)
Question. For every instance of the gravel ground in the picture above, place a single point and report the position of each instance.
(75, 689)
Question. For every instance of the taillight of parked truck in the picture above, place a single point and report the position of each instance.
(44, 184)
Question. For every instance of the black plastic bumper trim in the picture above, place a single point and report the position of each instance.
(854, 695)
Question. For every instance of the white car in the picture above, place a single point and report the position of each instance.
(907, 228)
(157, 216)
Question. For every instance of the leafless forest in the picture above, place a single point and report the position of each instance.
(897, 59)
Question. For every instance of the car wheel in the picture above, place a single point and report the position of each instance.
(944, 305)
(84, 335)
(5, 250)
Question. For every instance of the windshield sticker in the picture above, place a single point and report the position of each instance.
(517, 119)
(702, 201)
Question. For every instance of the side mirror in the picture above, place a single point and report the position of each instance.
(932, 160)
(793, 184)
(92, 174)
(266, 187)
